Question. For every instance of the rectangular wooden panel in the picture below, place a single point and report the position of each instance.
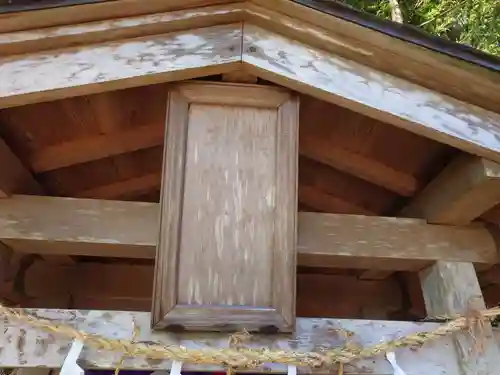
(226, 254)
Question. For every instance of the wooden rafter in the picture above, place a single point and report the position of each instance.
(419, 110)
(130, 229)
(115, 65)
(96, 147)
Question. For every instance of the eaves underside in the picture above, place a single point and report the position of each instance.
(64, 61)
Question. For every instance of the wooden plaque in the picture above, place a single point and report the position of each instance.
(226, 256)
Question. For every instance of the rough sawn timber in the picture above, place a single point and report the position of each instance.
(373, 93)
(111, 66)
(467, 188)
(29, 41)
(104, 228)
(451, 288)
(23, 346)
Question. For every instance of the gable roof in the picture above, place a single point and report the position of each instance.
(280, 41)
(405, 32)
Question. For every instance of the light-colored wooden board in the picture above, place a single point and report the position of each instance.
(465, 190)
(104, 228)
(230, 170)
(14, 176)
(94, 12)
(452, 288)
(115, 65)
(371, 92)
(436, 71)
(25, 347)
(29, 41)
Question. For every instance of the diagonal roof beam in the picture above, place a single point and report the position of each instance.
(182, 55)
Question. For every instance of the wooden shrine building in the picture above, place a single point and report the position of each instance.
(178, 172)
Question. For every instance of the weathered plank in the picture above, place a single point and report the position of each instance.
(452, 288)
(110, 66)
(230, 172)
(462, 192)
(30, 41)
(94, 12)
(25, 347)
(371, 92)
(34, 224)
(381, 51)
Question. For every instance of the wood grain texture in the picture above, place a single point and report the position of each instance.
(231, 167)
(128, 286)
(371, 92)
(103, 228)
(95, 12)
(394, 240)
(452, 288)
(15, 178)
(116, 65)
(29, 41)
(25, 347)
(383, 52)
(358, 145)
(96, 147)
(466, 189)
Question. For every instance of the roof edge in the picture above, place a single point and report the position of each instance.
(405, 32)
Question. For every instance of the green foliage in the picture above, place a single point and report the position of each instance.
(472, 22)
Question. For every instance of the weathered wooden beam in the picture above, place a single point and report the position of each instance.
(24, 347)
(462, 192)
(96, 147)
(118, 286)
(119, 64)
(228, 208)
(382, 51)
(52, 17)
(452, 288)
(33, 224)
(15, 178)
(341, 192)
(418, 109)
(331, 135)
(73, 35)
(378, 95)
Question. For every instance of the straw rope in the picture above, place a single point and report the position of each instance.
(244, 358)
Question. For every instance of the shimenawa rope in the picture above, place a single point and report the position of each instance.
(245, 358)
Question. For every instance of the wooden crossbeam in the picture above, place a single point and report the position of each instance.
(462, 192)
(48, 225)
(25, 347)
(121, 64)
